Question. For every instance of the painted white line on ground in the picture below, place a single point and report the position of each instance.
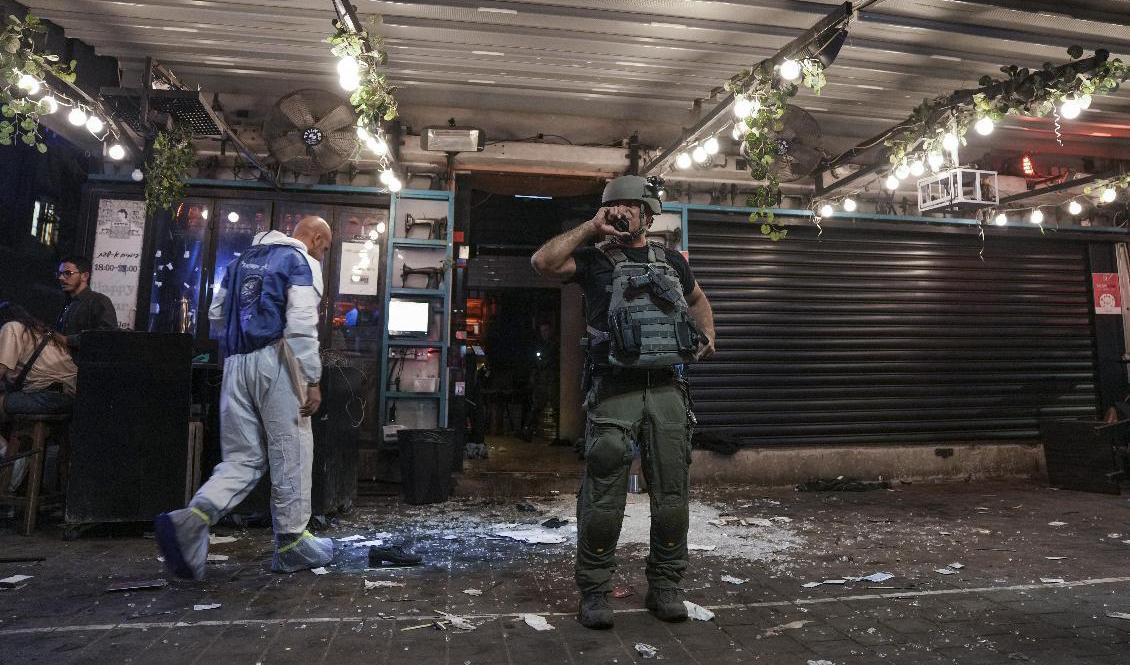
(224, 623)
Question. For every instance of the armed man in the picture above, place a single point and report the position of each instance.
(645, 316)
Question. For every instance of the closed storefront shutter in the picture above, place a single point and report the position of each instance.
(866, 336)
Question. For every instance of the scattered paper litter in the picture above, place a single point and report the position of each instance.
(536, 621)
(1116, 536)
(216, 558)
(836, 581)
(956, 566)
(209, 606)
(698, 612)
(473, 592)
(781, 518)
(983, 532)
(14, 580)
(321, 570)
(532, 536)
(1055, 558)
(379, 584)
(701, 548)
(1057, 523)
(810, 585)
(877, 577)
(733, 580)
(213, 539)
(945, 571)
(792, 625)
(646, 650)
(368, 543)
(756, 521)
(450, 536)
(353, 537)
(458, 621)
(621, 591)
(1051, 580)
(1118, 615)
(820, 662)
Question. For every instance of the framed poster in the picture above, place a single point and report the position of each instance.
(115, 268)
(358, 274)
(1108, 300)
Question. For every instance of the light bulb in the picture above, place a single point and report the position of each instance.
(368, 245)
(936, 161)
(381, 227)
(827, 210)
(378, 146)
(137, 175)
(1108, 195)
(985, 126)
(950, 142)
(739, 131)
(116, 152)
(790, 70)
(743, 106)
(892, 183)
(233, 217)
(363, 134)
(385, 177)
(1001, 219)
(94, 125)
(917, 168)
(1037, 217)
(28, 84)
(711, 146)
(902, 171)
(348, 67)
(374, 234)
(1074, 208)
(1084, 102)
(77, 117)
(204, 213)
(349, 82)
(49, 105)
(850, 205)
(699, 154)
(395, 186)
(1070, 109)
(683, 161)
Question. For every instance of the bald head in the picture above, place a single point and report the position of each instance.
(315, 233)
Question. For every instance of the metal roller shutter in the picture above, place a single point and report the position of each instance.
(891, 337)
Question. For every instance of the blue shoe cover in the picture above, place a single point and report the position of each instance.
(301, 552)
(182, 536)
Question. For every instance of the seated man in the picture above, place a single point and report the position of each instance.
(37, 375)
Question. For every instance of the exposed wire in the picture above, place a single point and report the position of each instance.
(1058, 128)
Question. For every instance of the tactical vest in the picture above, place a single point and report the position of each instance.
(648, 322)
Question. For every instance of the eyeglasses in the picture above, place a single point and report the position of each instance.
(67, 273)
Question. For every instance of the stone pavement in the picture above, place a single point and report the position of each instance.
(1001, 603)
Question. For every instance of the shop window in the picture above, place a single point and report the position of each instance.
(180, 257)
(45, 223)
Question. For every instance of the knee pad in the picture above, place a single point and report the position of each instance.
(671, 520)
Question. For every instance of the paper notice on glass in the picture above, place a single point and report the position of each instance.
(116, 262)
(358, 273)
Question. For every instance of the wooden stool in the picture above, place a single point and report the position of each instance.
(41, 425)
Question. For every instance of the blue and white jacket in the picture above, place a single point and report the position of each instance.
(271, 292)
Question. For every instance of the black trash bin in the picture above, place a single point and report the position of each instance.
(425, 464)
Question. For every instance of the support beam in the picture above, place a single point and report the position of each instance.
(832, 21)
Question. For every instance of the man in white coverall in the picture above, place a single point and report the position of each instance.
(267, 312)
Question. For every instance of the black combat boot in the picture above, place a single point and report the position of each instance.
(595, 611)
(666, 603)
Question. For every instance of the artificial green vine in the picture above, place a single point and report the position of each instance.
(167, 169)
(20, 56)
(763, 149)
(1023, 92)
(373, 100)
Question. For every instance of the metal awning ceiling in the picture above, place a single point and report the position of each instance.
(637, 61)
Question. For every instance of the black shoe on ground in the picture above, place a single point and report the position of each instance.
(666, 604)
(595, 612)
(396, 556)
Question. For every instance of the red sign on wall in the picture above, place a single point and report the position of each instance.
(1108, 299)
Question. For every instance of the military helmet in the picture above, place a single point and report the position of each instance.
(634, 188)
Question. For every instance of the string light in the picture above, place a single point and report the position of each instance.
(116, 152)
(985, 126)
(28, 84)
(77, 117)
(790, 70)
(1001, 219)
(1037, 216)
(683, 161)
(950, 142)
(936, 161)
(1074, 208)
(743, 106)
(902, 171)
(892, 183)
(850, 205)
(827, 210)
(1108, 195)
(711, 146)
(233, 217)
(699, 155)
(49, 105)
(739, 131)
(94, 125)
(917, 168)
(395, 186)
(385, 177)
(1070, 109)
(137, 175)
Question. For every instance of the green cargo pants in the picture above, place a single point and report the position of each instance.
(656, 413)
